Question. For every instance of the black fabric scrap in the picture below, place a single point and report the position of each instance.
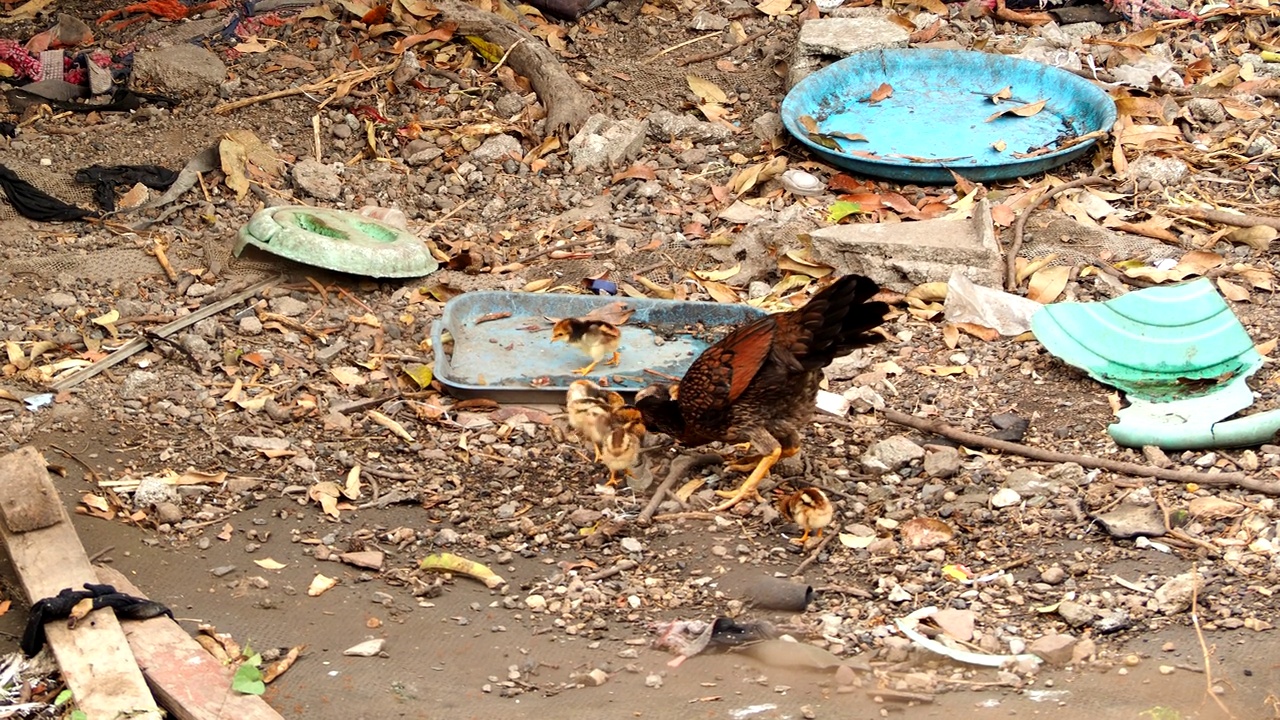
(106, 179)
(122, 100)
(47, 610)
(33, 203)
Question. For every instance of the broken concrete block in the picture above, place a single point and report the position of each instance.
(902, 255)
(604, 143)
(824, 40)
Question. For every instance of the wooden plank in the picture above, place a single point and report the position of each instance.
(28, 501)
(94, 657)
(189, 682)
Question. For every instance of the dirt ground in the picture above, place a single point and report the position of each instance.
(276, 399)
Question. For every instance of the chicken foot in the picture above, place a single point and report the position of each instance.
(583, 371)
(748, 488)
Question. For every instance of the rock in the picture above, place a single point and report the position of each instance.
(1084, 650)
(1136, 515)
(167, 512)
(448, 536)
(288, 306)
(1213, 508)
(664, 125)
(317, 179)
(585, 517)
(1005, 497)
(1053, 575)
(632, 545)
(250, 325)
(956, 623)
(368, 648)
(1029, 483)
(222, 570)
(496, 149)
(653, 680)
(1076, 614)
(707, 21)
(137, 384)
(901, 256)
(536, 602)
(1206, 110)
(1053, 649)
(604, 143)
(183, 69)
(152, 491)
(596, 677)
(890, 455)
(863, 399)
(250, 442)
(835, 38)
(424, 157)
(238, 485)
(768, 127)
(1166, 171)
(370, 559)
(1175, 594)
(941, 461)
(60, 300)
(199, 290)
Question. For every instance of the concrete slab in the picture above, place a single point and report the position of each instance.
(903, 255)
(825, 40)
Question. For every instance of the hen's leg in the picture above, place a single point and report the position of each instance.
(617, 356)
(613, 478)
(584, 370)
(748, 488)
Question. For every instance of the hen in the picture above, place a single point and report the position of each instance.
(759, 383)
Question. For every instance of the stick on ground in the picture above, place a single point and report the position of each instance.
(1117, 466)
(680, 467)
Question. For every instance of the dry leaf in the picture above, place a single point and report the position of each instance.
(326, 493)
(1258, 237)
(269, 564)
(720, 292)
(352, 488)
(688, 489)
(773, 8)
(348, 376)
(321, 584)
(707, 90)
(1232, 291)
(396, 428)
(234, 159)
(884, 92)
(1048, 283)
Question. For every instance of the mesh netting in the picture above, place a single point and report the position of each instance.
(1054, 233)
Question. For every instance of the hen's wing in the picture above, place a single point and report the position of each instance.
(725, 370)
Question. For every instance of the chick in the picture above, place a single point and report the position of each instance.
(596, 338)
(589, 407)
(809, 508)
(621, 447)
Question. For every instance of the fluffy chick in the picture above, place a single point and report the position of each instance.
(590, 408)
(621, 447)
(809, 508)
(596, 338)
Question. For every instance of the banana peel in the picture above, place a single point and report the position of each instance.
(448, 562)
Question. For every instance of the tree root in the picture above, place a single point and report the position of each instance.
(681, 466)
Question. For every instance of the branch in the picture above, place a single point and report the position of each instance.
(1225, 218)
(680, 467)
(938, 427)
(1019, 226)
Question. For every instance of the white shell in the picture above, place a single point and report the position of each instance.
(802, 183)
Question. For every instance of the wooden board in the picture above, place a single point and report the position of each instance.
(190, 683)
(94, 657)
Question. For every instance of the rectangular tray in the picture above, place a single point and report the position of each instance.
(501, 359)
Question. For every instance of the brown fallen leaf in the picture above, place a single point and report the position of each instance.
(1021, 110)
(884, 92)
(275, 669)
(1232, 291)
(1048, 283)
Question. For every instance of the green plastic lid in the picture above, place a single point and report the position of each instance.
(337, 240)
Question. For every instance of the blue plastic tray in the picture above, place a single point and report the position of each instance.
(938, 110)
(512, 359)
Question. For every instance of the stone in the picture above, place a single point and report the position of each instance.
(1076, 614)
(1053, 575)
(941, 461)
(827, 39)
(369, 559)
(1167, 171)
(1005, 497)
(597, 677)
(424, 157)
(1206, 110)
(704, 21)
(184, 69)
(368, 648)
(60, 300)
(1213, 508)
(604, 143)
(1133, 517)
(317, 179)
(288, 306)
(496, 149)
(890, 455)
(768, 127)
(1174, 596)
(585, 517)
(956, 623)
(250, 325)
(863, 399)
(901, 256)
(137, 384)
(1029, 483)
(167, 512)
(1053, 649)
(665, 125)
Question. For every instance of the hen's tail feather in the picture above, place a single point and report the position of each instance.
(840, 319)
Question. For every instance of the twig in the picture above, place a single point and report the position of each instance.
(351, 77)
(620, 566)
(136, 345)
(680, 467)
(1204, 648)
(691, 515)
(93, 474)
(677, 46)
(726, 50)
(1224, 217)
(1117, 466)
(664, 376)
(98, 555)
(846, 590)
(454, 211)
(552, 248)
(813, 556)
(1019, 226)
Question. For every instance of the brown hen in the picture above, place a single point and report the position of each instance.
(759, 383)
